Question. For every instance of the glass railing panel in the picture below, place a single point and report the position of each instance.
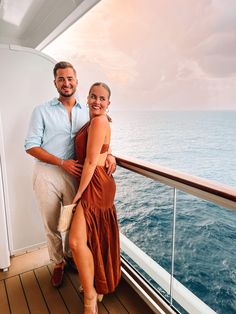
(145, 209)
(202, 237)
(205, 251)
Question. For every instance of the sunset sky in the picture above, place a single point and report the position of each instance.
(156, 54)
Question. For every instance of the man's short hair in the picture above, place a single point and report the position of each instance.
(63, 65)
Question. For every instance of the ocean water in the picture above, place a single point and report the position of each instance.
(198, 143)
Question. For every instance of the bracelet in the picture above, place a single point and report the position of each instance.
(62, 162)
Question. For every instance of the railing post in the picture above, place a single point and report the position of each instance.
(173, 245)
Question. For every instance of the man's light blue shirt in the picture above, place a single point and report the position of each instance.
(51, 129)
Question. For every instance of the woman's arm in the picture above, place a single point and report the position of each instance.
(96, 136)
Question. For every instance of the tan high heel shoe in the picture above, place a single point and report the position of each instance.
(91, 305)
(100, 297)
(81, 289)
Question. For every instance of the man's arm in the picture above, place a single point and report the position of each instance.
(69, 165)
(34, 140)
(44, 156)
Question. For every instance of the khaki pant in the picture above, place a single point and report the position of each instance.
(53, 186)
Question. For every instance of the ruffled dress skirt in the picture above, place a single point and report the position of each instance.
(102, 230)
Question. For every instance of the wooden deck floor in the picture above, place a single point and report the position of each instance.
(26, 288)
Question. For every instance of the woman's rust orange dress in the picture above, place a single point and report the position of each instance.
(101, 220)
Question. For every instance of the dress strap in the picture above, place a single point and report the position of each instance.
(104, 148)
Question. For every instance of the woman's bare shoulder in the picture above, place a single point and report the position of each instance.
(99, 121)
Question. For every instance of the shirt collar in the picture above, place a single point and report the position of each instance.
(56, 102)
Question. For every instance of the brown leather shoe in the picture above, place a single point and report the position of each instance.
(57, 277)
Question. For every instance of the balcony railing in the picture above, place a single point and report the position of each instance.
(204, 189)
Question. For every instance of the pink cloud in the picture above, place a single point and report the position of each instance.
(167, 54)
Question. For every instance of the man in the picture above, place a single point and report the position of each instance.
(50, 140)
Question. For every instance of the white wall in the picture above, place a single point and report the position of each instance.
(26, 80)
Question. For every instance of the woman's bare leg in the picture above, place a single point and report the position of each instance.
(81, 253)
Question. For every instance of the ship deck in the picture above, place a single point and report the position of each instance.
(25, 288)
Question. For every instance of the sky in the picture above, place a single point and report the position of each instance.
(156, 54)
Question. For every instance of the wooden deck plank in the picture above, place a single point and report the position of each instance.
(73, 277)
(69, 294)
(51, 295)
(33, 294)
(17, 301)
(4, 307)
(28, 287)
(71, 297)
(102, 309)
(131, 300)
(113, 304)
(25, 262)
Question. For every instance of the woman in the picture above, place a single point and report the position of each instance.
(94, 234)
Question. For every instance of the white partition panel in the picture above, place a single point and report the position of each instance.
(4, 241)
(26, 80)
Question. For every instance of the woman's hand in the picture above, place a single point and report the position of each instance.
(76, 198)
(110, 164)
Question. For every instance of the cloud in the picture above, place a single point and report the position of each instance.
(164, 55)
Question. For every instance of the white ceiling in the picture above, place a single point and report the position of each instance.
(35, 23)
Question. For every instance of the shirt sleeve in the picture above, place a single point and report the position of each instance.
(35, 133)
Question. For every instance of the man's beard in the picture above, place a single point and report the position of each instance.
(66, 95)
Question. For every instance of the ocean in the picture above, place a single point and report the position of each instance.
(200, 143)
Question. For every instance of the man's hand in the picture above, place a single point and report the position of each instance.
(72, 167)
(110, 164)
